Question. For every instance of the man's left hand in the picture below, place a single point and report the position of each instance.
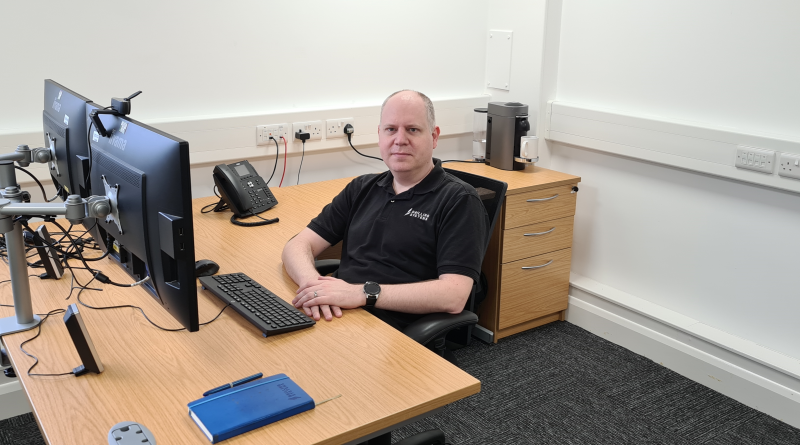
(329, 291)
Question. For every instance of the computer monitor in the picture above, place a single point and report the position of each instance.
(150, 231)
(64, 129)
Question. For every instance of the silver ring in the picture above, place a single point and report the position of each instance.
(315, 294)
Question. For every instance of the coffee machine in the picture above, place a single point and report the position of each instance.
(506, 123)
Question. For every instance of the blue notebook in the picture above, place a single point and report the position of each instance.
(246, 407)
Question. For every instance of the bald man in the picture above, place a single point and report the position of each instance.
(412, 237)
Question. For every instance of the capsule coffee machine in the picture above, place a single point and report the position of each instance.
(506, 123)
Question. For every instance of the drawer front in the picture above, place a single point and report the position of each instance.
(527, 294)
(536, 239)
(540, 205)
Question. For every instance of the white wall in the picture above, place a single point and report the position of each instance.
(240, 57)
(718, 251)
(526, 20)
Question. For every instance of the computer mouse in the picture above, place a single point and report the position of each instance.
(204, 268)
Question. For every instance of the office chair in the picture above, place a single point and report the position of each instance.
(432, 330)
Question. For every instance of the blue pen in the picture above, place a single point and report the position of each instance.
(231, 385)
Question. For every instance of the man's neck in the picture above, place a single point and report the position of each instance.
(405, 180)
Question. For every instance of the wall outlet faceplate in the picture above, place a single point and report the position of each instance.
(789, 165)
(334, 128)
(263, 133)
(757, 159)
(313, 127)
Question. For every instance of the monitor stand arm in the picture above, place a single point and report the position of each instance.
(74, 208)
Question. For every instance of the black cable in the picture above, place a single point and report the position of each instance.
(142, 311)
(468, 162)
(44, 195)
(349, 136)
(89, 144)
(215, 318)
(36, 362)
(277, 153)
(263, 221)
(301, 162)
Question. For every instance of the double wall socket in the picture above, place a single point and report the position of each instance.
(756, 159)
(789, 166)
(312, 127)
(334, 128)
(264, 132)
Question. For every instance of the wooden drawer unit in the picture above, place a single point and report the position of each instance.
(528, 261)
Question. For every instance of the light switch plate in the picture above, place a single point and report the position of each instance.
(757, 159)
(789, 165)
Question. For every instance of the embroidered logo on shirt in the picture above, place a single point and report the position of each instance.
(417, 214)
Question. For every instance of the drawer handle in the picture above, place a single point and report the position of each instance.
(540, 233)
(544, 199)
(537, 267)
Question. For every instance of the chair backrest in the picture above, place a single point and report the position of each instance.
(492, 193)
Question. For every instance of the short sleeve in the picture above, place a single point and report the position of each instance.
(332, 221)
(462, 237)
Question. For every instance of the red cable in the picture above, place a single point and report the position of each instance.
(284, 161)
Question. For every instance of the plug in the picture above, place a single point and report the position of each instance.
(348, 130)
(302, 135)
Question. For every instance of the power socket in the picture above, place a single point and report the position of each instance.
(263, 133)
(757, 159)
(314, 128)
(789, 165)
(334, 128)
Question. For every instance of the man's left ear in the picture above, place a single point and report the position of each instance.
(436, 132)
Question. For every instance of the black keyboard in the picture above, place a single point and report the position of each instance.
(267, 311)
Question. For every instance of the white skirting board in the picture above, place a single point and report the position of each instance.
(13, 401)
(751, 374)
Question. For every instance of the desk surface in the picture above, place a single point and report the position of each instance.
(150, 375)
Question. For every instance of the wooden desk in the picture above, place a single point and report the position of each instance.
(150, 375)
(519, 299)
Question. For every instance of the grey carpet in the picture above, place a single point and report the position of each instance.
(559, 384)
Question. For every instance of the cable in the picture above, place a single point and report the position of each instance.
(36, 362)
(142, 311)
(285, 150)
(301, 162)
(277, 154)
(263, 221)
(349, 132)
(44, 195)
(468, 162)
(58, 193)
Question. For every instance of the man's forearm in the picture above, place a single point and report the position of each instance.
(447, 294)
(298, 259)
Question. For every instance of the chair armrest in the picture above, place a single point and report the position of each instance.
(325, 267)
(433, 326)
(432, 437)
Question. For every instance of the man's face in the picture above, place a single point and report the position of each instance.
(404, 138)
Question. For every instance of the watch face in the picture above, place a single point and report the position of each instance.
(372, 288)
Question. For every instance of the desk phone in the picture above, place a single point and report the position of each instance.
(241, 187)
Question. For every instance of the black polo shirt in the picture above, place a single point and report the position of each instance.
(437, 227)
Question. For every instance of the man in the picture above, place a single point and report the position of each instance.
(412, 237)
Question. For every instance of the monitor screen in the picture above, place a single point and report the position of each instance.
(150, 231)
(64, 129)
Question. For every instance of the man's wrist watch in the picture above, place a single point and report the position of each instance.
(372, 290)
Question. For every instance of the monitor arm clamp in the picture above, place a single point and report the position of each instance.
(75, 209)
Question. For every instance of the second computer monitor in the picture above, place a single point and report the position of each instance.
(64, 129)
(150, 231)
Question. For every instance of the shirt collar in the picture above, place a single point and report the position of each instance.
(427, 184)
